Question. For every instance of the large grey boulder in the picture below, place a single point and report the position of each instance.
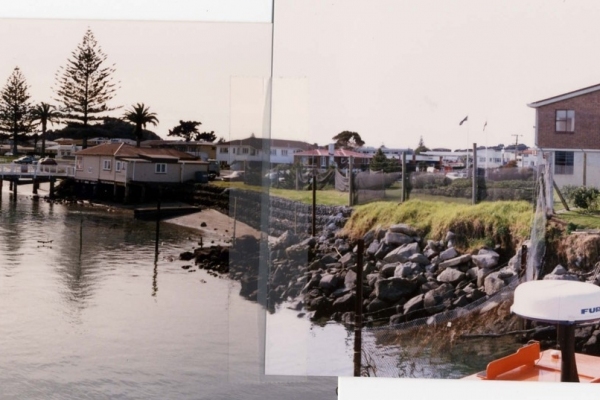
(403, 270)
(350, 279)
(377, 305)
(348, 259)
(389, 270)
(373, 247)
(455, 261)
(562, 274)
(486, 259)
(404, 229)
(414, 304)
(447, 254)
(419, 259)
(329, 282)
(297, 252)
(451, 275)
(393, 289)
(396, 239)
(493, 283)
(345, 303)
(402, 253)
(286, 239)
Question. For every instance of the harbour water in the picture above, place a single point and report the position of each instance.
(92, 316)
(86, 313)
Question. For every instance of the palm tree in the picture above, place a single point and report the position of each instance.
(140, 115)
(45, 113)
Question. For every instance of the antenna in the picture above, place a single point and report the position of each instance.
(516, 144)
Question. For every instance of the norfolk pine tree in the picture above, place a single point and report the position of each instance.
(15, 108)
(84, 85)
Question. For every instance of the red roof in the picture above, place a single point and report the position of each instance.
(127, 150)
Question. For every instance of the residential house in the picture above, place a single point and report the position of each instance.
(121, 165)
(281, 151)
(567, 131)
(390, 153)
(324, 158)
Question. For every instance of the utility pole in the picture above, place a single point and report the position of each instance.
(516, 144)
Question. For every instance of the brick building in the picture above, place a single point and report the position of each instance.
(567, 128)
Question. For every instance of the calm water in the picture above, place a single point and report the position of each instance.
(103, 321)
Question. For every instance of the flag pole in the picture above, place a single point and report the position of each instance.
(468, 126)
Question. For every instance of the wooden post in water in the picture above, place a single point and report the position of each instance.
(157, 225)
(80, 237)
(36, 185)
(234, 218)
(51, 194)
(358, 308)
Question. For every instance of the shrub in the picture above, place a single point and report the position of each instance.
(585, 198)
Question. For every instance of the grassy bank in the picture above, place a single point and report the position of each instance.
(502, 222)
(324, 197)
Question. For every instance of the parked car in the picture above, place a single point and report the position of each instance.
(234, 176)
(24, 160)
(8, 153)
(48, 161)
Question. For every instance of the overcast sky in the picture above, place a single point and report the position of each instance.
(390, 70)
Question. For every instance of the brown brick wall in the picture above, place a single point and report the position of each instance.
(587, 123)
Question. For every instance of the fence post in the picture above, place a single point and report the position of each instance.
(403, 196)
(350, 183)
(358, 308)
(314, 202)
(474, 175)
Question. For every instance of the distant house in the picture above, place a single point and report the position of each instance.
(281, 151)
(203, 150)
(123, 166)
(323, 158)
(567, 128)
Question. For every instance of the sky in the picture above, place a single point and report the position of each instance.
(392, 70)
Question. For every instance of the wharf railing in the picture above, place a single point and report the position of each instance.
(14, 170)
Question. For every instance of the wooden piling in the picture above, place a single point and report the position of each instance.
(358, 308)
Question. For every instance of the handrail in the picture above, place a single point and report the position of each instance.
(35, 170)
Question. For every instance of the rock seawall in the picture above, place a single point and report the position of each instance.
(283, 215)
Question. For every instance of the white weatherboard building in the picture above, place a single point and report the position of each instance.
(281, 151)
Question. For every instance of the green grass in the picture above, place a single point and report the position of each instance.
(590, 220)
(323, 197)
(581, 219)
(502, 222)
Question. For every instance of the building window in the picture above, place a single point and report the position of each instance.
(79, 164)
(161, 168)
(233, 150)
(106, 165)
(244, 150)
(252, 152)
(273, 152)
(563, 163)
(223, 150)
(124, 166)
(284, 152)
(118, 166)
(565, 121)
